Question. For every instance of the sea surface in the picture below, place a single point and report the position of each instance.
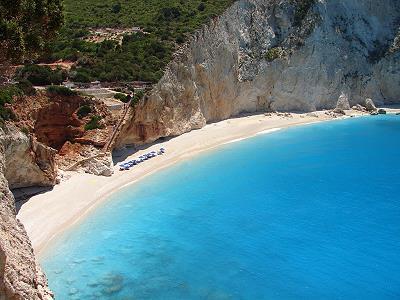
(311, 212)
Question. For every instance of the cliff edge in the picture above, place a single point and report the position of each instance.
(286, 55)
(23, 162)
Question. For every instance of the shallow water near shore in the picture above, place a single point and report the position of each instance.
(311, 212)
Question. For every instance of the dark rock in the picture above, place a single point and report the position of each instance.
(381, 111)
(339, 111)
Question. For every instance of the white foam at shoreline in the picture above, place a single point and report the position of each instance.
(235, 141)
(269, 130)
(258, 133)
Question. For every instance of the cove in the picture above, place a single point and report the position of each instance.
(311, 212)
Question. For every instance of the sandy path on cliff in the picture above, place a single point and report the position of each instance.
(47, 215)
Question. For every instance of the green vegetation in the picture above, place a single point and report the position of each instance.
(274, 53)
(136, 98)
(26, 87)
(25, 26)
(94, 123)
(83, 111)
(303, 6)
(6, 97)
(41, 75)
(60, 90)
(25, 130)
(141, 56)
(121, 97)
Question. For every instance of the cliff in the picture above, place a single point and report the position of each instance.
(286, 55)
(23, 162)
(55, 121)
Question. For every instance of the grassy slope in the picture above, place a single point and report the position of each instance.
(141, 57)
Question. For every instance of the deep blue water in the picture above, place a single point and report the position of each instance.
(311, 212)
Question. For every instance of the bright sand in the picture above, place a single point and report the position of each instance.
(47, 215)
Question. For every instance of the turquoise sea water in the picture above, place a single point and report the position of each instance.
(311, 212)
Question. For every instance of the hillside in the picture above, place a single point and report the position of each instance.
(136, 56)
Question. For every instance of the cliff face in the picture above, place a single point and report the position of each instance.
(26, 161)
(22, 163)
(286, 55)
(54, 120)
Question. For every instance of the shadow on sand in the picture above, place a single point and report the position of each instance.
(23, 195)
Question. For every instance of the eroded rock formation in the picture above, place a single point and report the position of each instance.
(285, 55)
(23, 162)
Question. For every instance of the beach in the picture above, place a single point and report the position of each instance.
(46, 216)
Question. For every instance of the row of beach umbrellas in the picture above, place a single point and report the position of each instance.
(130, 164)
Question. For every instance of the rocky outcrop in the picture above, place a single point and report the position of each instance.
(27, 162)
(285, 55)
(370, 105)
(20, 275)
(98, 164)
(342, 104)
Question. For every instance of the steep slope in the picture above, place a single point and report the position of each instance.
(265, 55)
(22, 163)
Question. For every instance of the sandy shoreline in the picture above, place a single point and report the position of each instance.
(47, 215)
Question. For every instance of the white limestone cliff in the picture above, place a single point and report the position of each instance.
(265, 55)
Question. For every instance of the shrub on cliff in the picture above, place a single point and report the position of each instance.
(136, 98)
(121, 97)
(6, 97)
(26, 87)
(41, 75)
(94, 123)
(274, 53)
(8, 92)
(6, 114)
(303, 6)
(60, 90)
(83, 111)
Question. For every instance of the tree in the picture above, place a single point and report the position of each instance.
(201, 6)
(26, 26)
(116, 8)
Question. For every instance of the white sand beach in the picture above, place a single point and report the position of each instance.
(47, 215)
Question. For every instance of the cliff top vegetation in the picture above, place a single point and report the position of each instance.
(139, 56)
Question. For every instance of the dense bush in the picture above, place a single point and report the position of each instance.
(8, 92)
(81, 76)
(25, 130)
(136, 98)
(6, 113)
(116, 8)
(60, 90)
(141, 56)
(274, 53)
(26, 87)
(41, 75)
(201, 6)
(121, 97)
(303, 6)
(26, 27)
(94, 123)
(6, 96)
(83, 111)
